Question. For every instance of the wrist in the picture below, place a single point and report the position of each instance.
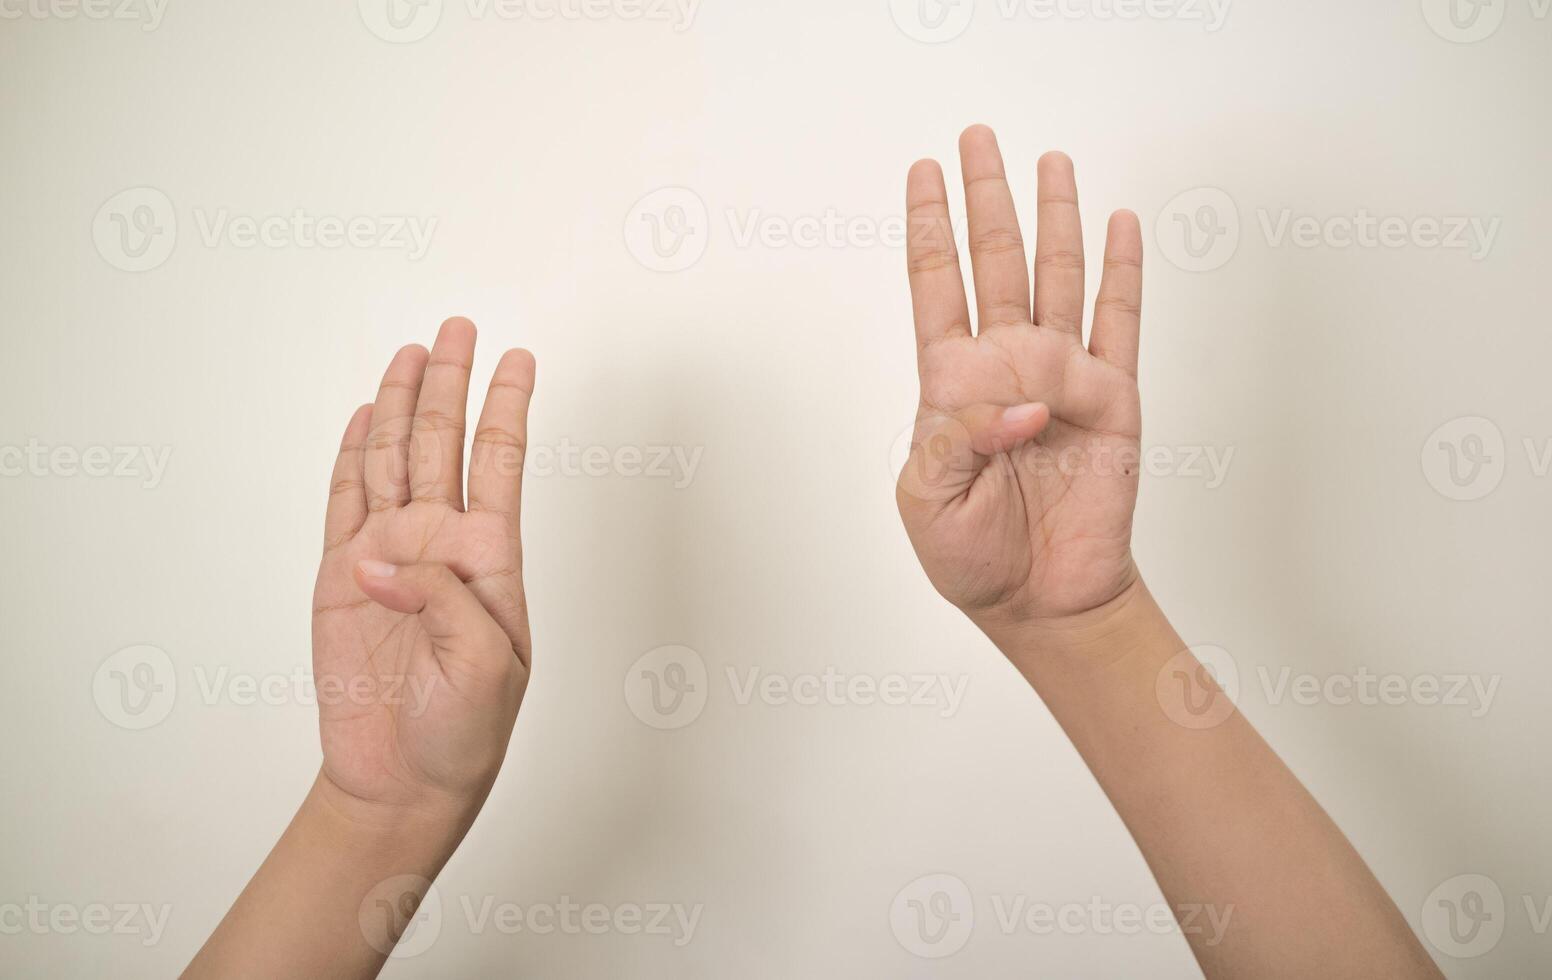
(417, 837)
(1117, 630)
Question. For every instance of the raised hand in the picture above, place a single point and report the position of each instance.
(1019, 491)
(420, 629)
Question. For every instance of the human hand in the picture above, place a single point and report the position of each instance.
(1019, 490)
(420, 628)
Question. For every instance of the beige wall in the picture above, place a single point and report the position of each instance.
(1326, 544)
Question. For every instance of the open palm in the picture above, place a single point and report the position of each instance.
(420, 630)
(1019, 492)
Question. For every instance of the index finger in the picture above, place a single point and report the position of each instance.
(937, 286)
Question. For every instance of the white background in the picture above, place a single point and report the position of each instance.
(1327, 549)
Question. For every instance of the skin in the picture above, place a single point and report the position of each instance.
(420, 630)
(1018, 498)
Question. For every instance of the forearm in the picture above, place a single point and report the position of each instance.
(1225, 827)
(335, 893)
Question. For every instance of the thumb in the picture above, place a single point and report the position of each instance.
(947, 451)
(451, 614)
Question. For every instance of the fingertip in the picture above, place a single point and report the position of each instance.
(383, 583)
(360, 422)
(372, 577)
(1027, 417)
(517, 364)
(455, 327)
(1123, 239)
(1124, 220)
(411, 353)
(1055, 162)
(977, 133)
(372, 570)
(923, 179)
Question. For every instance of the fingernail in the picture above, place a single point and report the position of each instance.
(1022, 413)
(376, 569)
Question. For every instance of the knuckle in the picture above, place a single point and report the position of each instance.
(1062, 319)
(1060, 259)
(993, 178)
(932, 260)
(996, 241)
(1125, 307)
(435, 420)
(495, 437)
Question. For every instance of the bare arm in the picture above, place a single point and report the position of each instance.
(334, 897)
(1018, 498)
(1263, 882)
(420, 659)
